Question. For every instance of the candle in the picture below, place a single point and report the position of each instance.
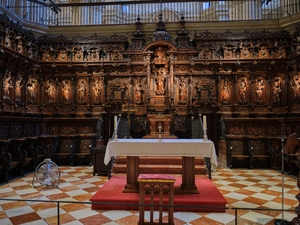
(204, 123)
(116, 121)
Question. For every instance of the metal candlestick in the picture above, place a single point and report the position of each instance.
(116, 134)
(205, 135)
(159, 133)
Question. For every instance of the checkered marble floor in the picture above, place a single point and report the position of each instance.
(259, 189)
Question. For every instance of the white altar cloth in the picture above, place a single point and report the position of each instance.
(167, 147)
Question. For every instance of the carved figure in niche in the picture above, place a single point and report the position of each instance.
(7, 84)
(228, 52)
(160, 56)
(51, 91)
(245, 50)
(116, 55)
(277, 90)
(296, 86)
(260, 85)
(46, 56)
(182, 90)
(281, 52)
(138, 91)
(8, 38)
(205, 53)
(66, 90)
(78, 55)
(243, 89)
(97, 90)
(226, 91)
(18, 87)
(160, 81)
(263, 53)
(32, 86)
(94, 55)
(20, 47)
(63, 55)
(82, 90)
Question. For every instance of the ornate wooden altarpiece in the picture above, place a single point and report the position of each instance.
(246, 75)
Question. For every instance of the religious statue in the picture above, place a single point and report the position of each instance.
(78, 54)
(7, 84)
(18, 87)
(46, 56)
(138, 90)
(66, 91)
(8, 39)
(182, 91)
(30, 50)
(94, 55)
(259, 87)
(160, 56)
(295, 83)
(277, 90)
(81, 90)
(160, 81)
(243, 89)
(116, 55)
(226, 91)
(97, 90)
(263, 53)
(62, 56)
(32, 87)
(20, 47)
(51, 91)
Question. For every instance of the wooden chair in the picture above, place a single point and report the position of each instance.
(156, 183)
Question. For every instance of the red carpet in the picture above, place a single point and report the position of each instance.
(110, 197)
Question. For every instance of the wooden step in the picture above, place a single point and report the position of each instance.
(160, 169)
(159, 160)
(160, 165)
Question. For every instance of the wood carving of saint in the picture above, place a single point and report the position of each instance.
(18, 87)
(182, 91)
(63, 57)
(260, 85)
(20, 47)
(226, 91)
(138, 90)
(8, 39)
(94, 55)
(263, 53)
(78, 56)
(243, 89)
(7, 84)
(32, 87)
(66, 91)
(160, 81)
(82, 90)
(51, 91)
(277, 90)
(46, 56)
(296, 86)
(160, 56)
(97, 90)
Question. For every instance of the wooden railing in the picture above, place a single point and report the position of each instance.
(127, 12)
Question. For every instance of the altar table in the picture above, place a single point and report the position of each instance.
(188, 149)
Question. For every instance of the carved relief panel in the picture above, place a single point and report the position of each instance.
(242, 90)
(51, 91)
(277, 85)
(7, 86)
(97, 92)
(295, 87)
(82, 88)
(226, 90)
(67, 92)
(32, 87)
(260, 90)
